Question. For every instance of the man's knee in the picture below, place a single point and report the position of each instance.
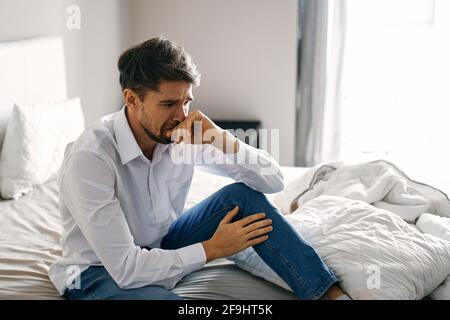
(249, 199)
(241, 190)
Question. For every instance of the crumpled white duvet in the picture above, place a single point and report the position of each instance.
(356, 217)
(379, 183)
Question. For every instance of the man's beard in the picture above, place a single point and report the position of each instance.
(161, 138)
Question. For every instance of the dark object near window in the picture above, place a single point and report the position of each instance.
(248, 130)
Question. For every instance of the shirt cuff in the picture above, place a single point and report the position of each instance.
(192, 257)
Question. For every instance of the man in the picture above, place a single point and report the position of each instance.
(122, 194)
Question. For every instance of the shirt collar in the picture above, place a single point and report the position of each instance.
(127, 145)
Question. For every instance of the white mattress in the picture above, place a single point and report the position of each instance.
(29, 243)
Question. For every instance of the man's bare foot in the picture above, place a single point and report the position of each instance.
(333, 293)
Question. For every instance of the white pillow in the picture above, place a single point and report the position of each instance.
(35, 140)
(442, 292)
(374, 252)
(435, 225)
(438, 227)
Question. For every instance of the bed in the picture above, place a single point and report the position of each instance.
(339, 209)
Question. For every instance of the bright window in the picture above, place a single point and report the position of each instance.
(396, 86)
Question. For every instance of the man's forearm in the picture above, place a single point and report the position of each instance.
(225, 142)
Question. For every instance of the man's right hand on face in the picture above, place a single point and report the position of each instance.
(233, 237)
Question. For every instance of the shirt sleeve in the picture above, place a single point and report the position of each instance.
(252, 166)
(87, 188)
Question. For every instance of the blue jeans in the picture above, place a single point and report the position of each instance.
(286, 252)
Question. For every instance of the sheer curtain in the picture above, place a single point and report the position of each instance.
(321, 48)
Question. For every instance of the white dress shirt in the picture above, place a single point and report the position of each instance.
(114, 201)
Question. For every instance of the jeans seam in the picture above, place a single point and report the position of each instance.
(289, 268)
(320, 292)
(205, 222)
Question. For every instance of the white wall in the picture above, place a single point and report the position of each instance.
(246, 51)
(91, 52)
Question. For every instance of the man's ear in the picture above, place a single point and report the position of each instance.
(131, 99)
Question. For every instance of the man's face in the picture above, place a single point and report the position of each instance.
(164, 109)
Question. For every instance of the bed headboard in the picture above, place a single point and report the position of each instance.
(31, 71)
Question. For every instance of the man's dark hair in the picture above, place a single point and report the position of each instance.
(144, 66)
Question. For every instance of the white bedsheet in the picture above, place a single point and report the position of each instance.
(29, 243)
